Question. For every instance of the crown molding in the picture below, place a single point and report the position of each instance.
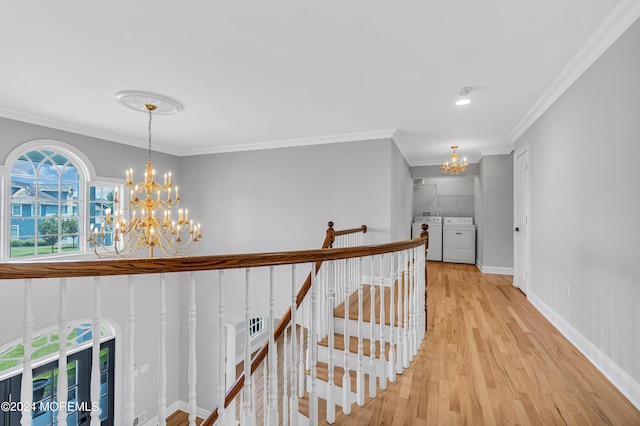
(503, 150)
(402, 147)
(618, 21)
(470, 160)
(287, 143)
(81, 130)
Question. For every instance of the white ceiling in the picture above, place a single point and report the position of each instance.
(254, 74)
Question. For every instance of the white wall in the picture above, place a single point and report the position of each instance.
(584, 213)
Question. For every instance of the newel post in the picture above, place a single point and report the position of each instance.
(425, 233)
(331, 234)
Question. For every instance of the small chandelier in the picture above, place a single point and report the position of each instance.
(454, 168)
(147, 223)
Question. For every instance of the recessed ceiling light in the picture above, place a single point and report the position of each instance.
(464, 100)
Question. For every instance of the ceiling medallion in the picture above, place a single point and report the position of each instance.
(146, 222)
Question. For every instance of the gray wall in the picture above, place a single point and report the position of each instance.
(401, 196)
(584, 212)
(269, 200)
(110, 160)
(495, 228)
(484, 192)
(281, 199)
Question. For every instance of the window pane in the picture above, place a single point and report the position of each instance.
(45, 186)
(23, 166)
(69, 172)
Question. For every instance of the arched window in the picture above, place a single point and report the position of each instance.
(44, 352)
(45, 204)
(52, 201)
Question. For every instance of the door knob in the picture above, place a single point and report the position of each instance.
(517, 229)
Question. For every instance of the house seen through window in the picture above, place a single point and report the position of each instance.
(50, 211)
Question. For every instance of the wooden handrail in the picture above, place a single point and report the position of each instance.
(92, 268)
(95, 268)
(362, 229)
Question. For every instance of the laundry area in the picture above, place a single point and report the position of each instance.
(448, 206)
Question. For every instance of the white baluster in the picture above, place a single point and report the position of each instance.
(313, 349)
(423, 290)
(409, 330)
(63, 382)
(414, 300)
(222, 341)
(26, 393)
(322, 290)
(95, 352)
(265, 393)
(254, 398)
(247, 414)
(293, 405)
(285, 379)
(383, 360)
(372, 342)
(346, 380)
(331, 402)
(402, 261)
(301, 354)
(130, 365)
(162, 353)
(192, 350)
(360, 368)
(405, 311)
(392, 319)
(273, 360)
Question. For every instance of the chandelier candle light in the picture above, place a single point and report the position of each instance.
(454, 168)
(150, 224)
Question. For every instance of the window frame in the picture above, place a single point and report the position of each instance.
(88, 178)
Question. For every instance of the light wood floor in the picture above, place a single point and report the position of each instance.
(490, 358)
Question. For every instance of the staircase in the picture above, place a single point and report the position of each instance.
(351, 368)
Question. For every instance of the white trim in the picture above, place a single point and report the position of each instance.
(178, 405)
(498, 270)
(64, 126)
(287, 143)
(504, 150)
(616, 375)
(618, 21)
(84, 165)
(470, 160)
(402, 147)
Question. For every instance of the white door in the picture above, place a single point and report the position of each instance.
(521, 220)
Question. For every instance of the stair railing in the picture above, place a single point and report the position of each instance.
(337, 274)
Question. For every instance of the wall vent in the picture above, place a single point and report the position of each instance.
(142, 417)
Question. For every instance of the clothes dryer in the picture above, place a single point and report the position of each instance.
(435, 235)
(459, 240)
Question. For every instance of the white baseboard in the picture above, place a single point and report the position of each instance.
(618, 377)
(178, 405)
(499, 270)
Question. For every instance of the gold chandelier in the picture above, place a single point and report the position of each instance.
(454, 168)
(147, 223)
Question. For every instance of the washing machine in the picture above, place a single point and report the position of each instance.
(459, 240)
(435, 235)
